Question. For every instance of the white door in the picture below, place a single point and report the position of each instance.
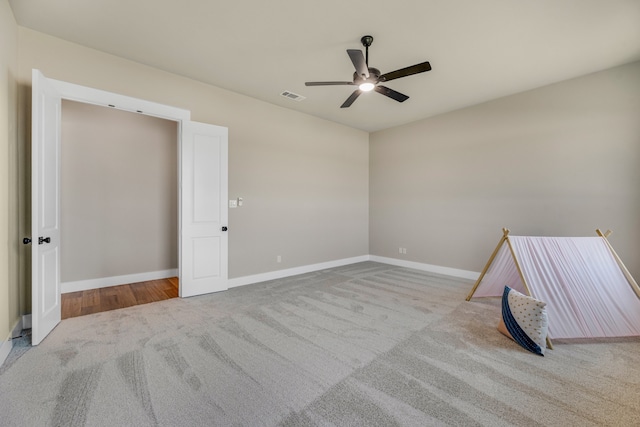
(204, 212)
(45, 210)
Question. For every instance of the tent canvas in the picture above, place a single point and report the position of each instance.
(588, 291)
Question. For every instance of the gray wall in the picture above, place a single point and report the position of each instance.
(118, 193)
(304, 180)
(561, 160)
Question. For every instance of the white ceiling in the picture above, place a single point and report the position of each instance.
(479, 50)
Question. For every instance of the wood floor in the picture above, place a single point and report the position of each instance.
(104, 299)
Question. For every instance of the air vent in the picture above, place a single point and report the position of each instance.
(292, 95)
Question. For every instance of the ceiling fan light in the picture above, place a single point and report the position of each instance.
(366, 86)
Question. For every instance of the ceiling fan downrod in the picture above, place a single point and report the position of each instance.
(366, 42)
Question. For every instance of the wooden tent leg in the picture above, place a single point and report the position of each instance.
(505, 232)
(626, 273)
(527, 289)
(549, 344)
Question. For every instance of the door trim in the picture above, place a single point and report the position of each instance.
(87, 95)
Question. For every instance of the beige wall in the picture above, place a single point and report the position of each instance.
(119, 188)
(304, 180)
(9, 289)
(560, 160)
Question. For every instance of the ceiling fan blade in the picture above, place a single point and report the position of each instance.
(351, 98)
(328, 83)
(400, 97)
(404, 72)
(358, 61)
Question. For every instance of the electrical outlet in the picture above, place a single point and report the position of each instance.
(278, 258)
(233, 203)
(404, 251)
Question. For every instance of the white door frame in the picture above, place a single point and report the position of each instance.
(87, 95)
(83, 94)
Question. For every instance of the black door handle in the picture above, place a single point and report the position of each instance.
(42, 240)
(224, 228)
(26, 241)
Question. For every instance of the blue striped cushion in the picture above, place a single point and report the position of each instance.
(525, 319)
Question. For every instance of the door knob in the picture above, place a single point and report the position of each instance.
(224, 228)
(26, 241)
(42, 240)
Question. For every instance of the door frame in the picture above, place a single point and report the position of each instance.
(87, 95)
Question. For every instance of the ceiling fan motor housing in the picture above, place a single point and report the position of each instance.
(374, 77)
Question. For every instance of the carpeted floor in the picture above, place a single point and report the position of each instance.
(362, 345)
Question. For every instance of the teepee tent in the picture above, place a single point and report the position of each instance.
(588, 291)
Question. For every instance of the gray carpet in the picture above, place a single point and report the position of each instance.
(361, 345)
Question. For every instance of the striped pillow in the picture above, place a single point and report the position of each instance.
(524, 320)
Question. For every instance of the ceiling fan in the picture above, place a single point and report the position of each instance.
(369, 78)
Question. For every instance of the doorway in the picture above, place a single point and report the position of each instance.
(118, 208)
(202, 195)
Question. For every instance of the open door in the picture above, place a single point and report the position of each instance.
(204, 211)
(45, 208)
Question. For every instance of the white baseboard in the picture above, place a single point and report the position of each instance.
(279, 274)
(83, 285)
(26, 321)
(446, 271)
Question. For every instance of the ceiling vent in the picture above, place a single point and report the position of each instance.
(291, 95)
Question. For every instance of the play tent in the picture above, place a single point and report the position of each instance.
(588, 291)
